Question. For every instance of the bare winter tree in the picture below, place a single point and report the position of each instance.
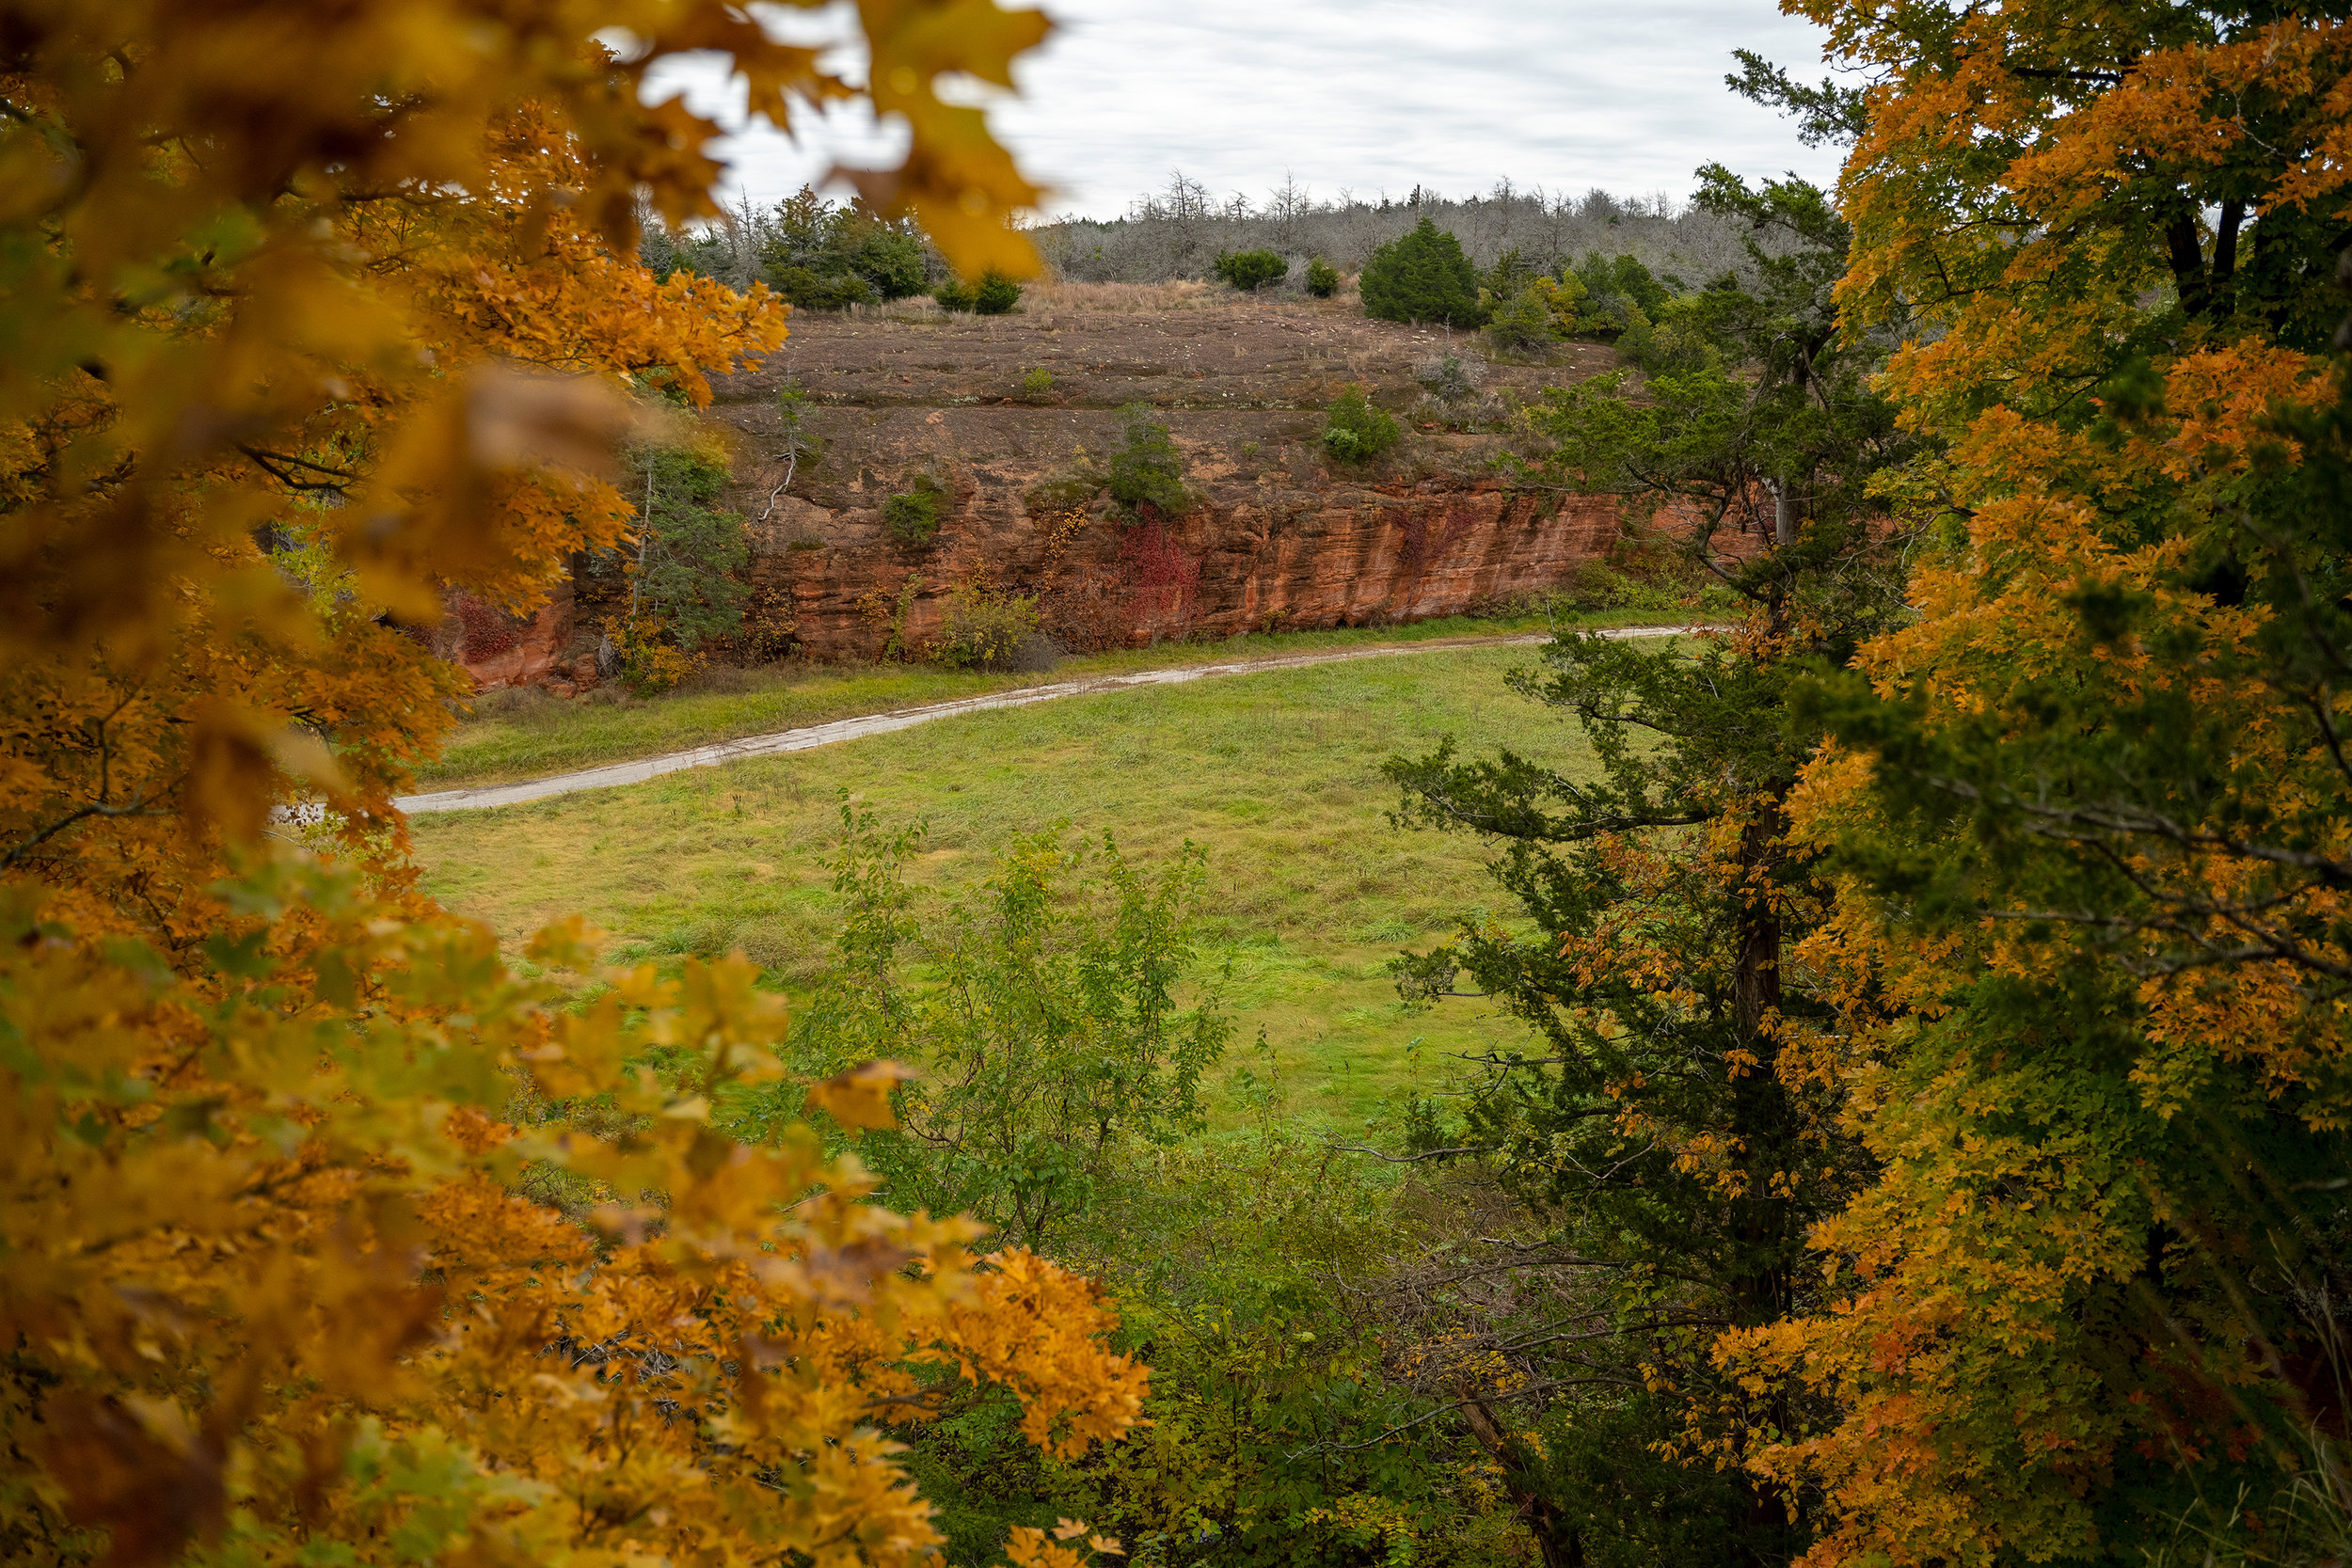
(1285, 205)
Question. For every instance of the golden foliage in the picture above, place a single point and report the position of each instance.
(268, 1252)
(2027, 1297)
(328, 1237)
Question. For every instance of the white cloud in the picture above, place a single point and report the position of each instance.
(1365, 95)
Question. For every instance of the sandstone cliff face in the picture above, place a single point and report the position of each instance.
(499, 649)
(1280, 538)
(1276, 560)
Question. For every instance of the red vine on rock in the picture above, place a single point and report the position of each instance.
(1167, 580)
(488, 629)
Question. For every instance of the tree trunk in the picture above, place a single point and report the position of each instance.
(1755, 973)
(1760, 1114)
(1556, 1537)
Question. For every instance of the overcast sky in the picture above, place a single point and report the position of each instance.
(1368, 96)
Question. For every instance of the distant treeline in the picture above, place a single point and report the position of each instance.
(1179, 231)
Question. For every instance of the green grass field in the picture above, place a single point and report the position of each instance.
(526, 735)
(1275, 774)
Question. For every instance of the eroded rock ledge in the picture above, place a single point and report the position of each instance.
(1280, 538)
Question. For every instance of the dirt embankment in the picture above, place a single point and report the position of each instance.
(1279, 536)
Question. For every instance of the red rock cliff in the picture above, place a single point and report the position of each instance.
(1279, 536)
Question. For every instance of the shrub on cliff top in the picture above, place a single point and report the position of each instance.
(1355, 431)
(1421, 276)
(990, 294)
(994, 293)
(1523, 323)
(806, 290)
(1450, 376)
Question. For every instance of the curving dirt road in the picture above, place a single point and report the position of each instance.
(614, 774)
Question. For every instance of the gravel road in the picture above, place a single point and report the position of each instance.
(614, 774)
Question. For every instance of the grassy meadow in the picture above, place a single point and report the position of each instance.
(1275, 774)
(526, 735)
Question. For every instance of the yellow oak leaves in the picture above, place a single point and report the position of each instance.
(362, 278)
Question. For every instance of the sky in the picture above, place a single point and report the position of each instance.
(1361, 96)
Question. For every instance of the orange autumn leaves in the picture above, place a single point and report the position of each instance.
(2034, 1297)
(325, 1230)
(275, 1252)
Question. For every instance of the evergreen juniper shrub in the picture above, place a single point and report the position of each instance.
(821, 255)
(682, 573)
(804, 290)
(994, 293)
(1251, 270)
(1421, 276)
(1148, 470)
(1323, 279)
(912, 519)
(1356, 430)
(1621, 297)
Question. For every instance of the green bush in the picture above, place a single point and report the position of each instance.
(912, 519)
(1676, 342)
(1522, 323)
(821, 256)
(1323, 279)
(981, 627)
(1250, 270)
(1038, 384)
(952, 297)
(994, 293)
(1510, 274)
(1626, 275)
(1355, 431)
(1147, 471)
(891, 263)
(1621, 297)
(805, 289)
(1421, 276)
(683, 570)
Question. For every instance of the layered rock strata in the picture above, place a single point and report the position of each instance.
(1277, 535)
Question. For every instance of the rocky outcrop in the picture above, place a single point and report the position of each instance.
(1280, 560)
(1276, 536)
(500, 649)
